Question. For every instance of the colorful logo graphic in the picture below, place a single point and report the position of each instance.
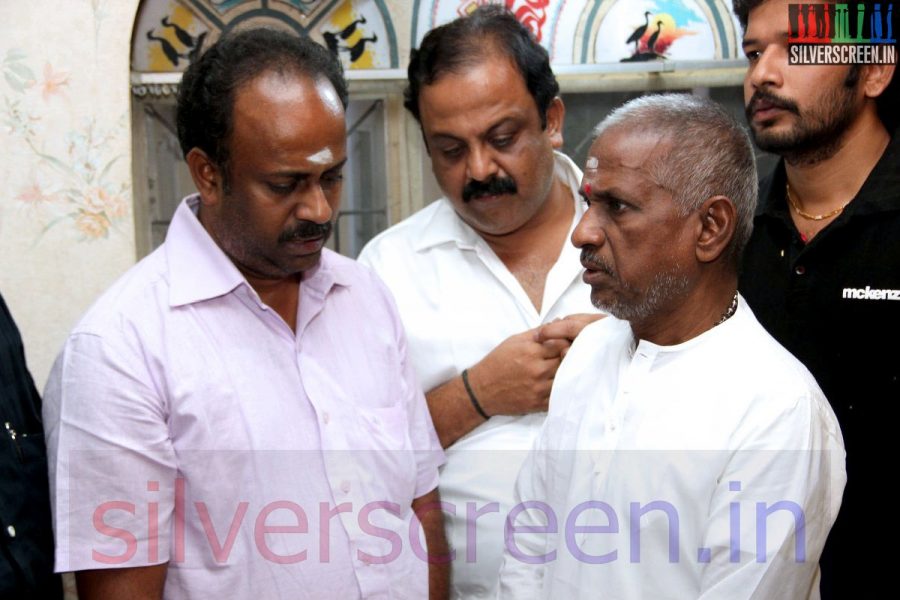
(841, 33)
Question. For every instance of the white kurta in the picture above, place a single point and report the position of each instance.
(682, 452)
(458, 301)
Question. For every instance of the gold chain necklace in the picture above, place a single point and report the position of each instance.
(806, 215)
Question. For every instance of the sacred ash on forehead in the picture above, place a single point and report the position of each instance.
(592, 164)
(322, 157)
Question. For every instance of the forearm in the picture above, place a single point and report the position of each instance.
(428, 510)
(452, 412)
(136, 583)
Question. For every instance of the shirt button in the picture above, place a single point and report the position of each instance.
(326, 418)
(345, 487)
(11, 531)
(800, 270)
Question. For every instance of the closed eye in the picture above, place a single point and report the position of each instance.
(282, 188)
(451, 152)
(502, 142)
(332, 178)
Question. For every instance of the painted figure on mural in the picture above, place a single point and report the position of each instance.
(653, 38)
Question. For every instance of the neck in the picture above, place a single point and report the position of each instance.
(695, 313)
(827, 184)
(549, 226)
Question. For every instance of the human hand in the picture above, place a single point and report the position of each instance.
(515, 377)
(566, 329)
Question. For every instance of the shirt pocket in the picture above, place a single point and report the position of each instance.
(386, 444)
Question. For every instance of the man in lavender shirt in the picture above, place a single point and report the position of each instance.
(237, 417)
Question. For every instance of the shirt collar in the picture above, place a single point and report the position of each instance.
(199, 270)
(445, 226)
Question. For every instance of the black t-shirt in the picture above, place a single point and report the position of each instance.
(26, 537)
(835, 304)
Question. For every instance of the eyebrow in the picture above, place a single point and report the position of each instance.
(505, 120)
(781, 35)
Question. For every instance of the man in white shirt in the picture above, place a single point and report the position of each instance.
(668, 467)
(478, 271)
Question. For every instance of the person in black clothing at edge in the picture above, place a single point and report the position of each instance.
(26, 537)
(822, 268)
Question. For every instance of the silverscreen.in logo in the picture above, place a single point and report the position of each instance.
(841, 34)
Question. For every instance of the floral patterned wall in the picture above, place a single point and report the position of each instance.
(66, 227)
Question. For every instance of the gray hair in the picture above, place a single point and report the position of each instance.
(711, 155)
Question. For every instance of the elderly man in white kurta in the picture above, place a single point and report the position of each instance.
(686, 453)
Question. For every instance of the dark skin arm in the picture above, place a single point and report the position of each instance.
(513, 379)
(427, 508)
(133, 583)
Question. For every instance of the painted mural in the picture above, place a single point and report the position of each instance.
(609, 31)
(656, 30)
(169, 34)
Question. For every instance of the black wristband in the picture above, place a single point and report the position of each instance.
(472, 398)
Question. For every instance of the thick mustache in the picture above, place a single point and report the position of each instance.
(762, 96)
(592, 261)
(305, 230)
(495, 186)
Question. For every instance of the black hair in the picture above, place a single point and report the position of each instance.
(206, 95)
(465, 41)
(886, 102)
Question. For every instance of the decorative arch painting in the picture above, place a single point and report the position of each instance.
(608, 31)
(169, 34)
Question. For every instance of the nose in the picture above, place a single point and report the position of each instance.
(589, 231)
(767, 71)
(314, 205)
(480, 164)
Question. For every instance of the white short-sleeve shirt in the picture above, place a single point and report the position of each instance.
(458, 301)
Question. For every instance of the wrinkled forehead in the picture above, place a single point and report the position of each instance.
(627, 146)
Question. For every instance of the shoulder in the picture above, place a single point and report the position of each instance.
(782, 390)
(762, 353)
(596, 350)
(402, 239)
(140, 291)
(600, 335)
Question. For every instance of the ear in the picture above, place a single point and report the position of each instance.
(876, 78)
(206, 175)
(556, 114)
(716, 228)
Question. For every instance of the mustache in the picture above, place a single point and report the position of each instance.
(760, 96)
(305, 230)
(594, 262)
(495, 186)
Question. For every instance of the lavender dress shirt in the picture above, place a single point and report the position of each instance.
(186, 422)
